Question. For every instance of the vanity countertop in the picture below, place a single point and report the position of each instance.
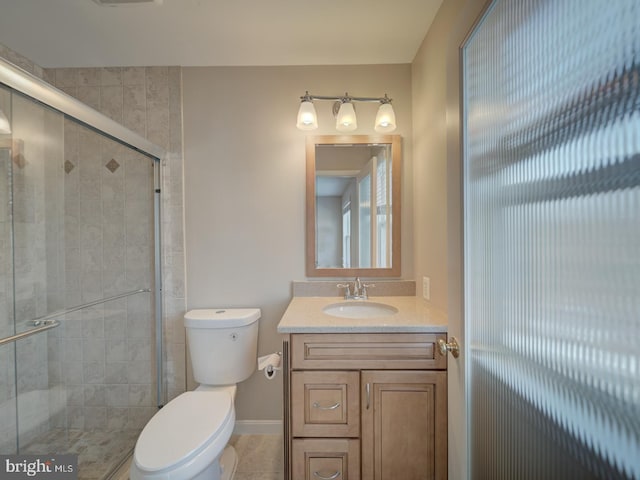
(306, 315)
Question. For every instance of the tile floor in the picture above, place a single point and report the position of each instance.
(98, 452)
(259, 458)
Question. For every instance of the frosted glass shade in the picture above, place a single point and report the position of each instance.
(346, 119)
(307, 118)
(385, 119)
(5, 128)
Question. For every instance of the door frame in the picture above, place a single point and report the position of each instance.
(469, 15)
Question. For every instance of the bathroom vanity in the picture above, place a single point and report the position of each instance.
(365, 390)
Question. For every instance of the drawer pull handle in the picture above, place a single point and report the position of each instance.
(332, 407)
(368, 394)
(322, 477)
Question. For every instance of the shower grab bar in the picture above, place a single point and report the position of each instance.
(48, 325)
(49, 322)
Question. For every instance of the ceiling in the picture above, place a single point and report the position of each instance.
(80, 33)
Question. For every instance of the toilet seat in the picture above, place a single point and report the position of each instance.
(187, 434)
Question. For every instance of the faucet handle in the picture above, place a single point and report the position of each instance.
(363, 291)
(347, 289)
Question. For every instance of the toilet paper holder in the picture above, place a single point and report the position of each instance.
(270, 364)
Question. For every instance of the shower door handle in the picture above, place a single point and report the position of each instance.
(41, 327)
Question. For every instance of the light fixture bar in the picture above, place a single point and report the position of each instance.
(345, 112)
(308, 97)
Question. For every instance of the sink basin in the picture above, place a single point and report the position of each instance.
(359, 310)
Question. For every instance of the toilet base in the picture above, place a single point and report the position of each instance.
(228, 463)
(224, 468)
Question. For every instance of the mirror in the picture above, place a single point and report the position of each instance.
(344, 174)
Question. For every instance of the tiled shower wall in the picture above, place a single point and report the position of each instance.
(102, 356)
(149, 101)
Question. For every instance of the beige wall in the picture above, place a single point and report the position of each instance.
(438, 212)
(245, 188)
(429, 83)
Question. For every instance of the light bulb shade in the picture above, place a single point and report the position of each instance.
(346, 119)
(385, 119)
(5, 128)
(307, 118)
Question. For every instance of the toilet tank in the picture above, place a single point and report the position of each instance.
(223, 344)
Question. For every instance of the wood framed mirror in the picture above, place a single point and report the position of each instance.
(353, 205)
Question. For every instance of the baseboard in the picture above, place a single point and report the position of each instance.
(258, 427)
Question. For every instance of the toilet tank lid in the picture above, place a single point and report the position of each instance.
(221, 317)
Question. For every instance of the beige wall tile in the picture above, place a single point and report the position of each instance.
(111, 76)
(133, 75)
(135, 120)
(89, 77)
(141, 395)
(117, 395)
(134, 97)
(157, 84)
(111, 102)
(66, 77)
(158, 124)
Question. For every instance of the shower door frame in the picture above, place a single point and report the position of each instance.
(42, 92)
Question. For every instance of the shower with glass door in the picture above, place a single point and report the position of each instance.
(80, 319)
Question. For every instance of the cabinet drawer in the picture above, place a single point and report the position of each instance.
(326, 459)
(407, 351)
(325, 404)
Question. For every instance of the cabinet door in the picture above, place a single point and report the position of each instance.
(326, 459)
(404, 425)
(325, 404)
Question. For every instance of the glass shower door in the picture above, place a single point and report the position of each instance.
(8, 408)
(77, 254)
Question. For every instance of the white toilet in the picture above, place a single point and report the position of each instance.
(187, 439)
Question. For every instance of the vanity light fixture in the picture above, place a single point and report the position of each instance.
(307, 118)
(5, 127)
(345, 112)
(346, 118)
(386, 117)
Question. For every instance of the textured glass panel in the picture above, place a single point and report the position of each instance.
(552, 240)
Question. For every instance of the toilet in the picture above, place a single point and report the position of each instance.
(187, 438)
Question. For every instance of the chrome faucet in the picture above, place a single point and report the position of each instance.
(359, 290)
(357, 287)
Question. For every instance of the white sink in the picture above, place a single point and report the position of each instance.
(359, 310)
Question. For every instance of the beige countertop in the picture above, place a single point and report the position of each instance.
(306, 315)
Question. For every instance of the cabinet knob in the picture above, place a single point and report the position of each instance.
(452, 346)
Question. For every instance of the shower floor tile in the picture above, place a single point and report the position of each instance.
(98, 452)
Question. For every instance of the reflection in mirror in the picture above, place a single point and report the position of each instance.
(353, 205)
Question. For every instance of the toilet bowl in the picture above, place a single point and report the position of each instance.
(187, 439)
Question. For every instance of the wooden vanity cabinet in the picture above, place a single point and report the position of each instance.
(365, 407)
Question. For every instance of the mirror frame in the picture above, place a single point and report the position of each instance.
(396, 156)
